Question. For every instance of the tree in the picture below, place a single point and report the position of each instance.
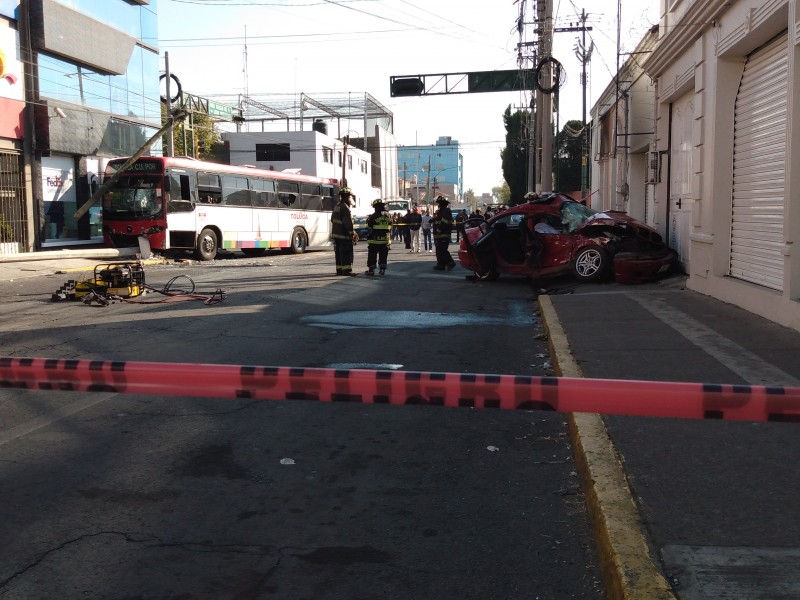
(198, 129)
(503, 193)
(469, 197)
(515, 153)
(568, 156)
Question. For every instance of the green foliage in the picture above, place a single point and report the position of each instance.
(6, 231)
(515, 153)
(568, 157)
(469, 197)
(195, 136)
(503, 193)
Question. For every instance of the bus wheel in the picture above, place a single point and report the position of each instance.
(299, 241)
(206, 245)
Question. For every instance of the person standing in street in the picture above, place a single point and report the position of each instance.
(414, 220)
(426, 231)
(343, 234)
(379, 239)
(442, 229)
(405, 228)
(460, 218)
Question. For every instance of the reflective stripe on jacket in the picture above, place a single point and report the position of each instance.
(442, 223)
(380, 225)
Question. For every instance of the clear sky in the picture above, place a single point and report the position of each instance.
(354, 46)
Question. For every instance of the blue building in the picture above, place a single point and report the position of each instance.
(92, 93)
(427, 171)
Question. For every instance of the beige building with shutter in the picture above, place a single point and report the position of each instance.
(727, 97)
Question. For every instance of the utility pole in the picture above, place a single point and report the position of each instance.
(545, 174)
(170, 134)
(584, 55)
(428, 183)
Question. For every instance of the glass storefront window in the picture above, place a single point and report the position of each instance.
(134, 95)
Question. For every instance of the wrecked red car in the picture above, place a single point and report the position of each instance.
(555, 235)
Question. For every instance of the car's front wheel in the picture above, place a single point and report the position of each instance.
(590, 265)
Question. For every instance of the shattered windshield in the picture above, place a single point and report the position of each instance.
(133, 197)
(575, 214)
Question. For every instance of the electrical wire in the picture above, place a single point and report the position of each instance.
(172, 295)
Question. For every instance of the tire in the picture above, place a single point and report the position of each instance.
(299, 241)
(254, 251)
(591, 264)
(207, 245)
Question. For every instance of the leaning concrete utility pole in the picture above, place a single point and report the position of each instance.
(106, 185)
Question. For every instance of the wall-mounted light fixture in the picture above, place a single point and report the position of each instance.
(59, 113)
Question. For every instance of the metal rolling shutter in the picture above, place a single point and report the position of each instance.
(759, 167)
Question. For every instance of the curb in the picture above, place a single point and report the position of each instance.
(98, 253)
(628, 570)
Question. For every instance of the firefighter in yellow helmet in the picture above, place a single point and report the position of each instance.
(343, 234)
(380, 239)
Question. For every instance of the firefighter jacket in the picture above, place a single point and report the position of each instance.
(380, 226)
(341, 222)
(442, 223)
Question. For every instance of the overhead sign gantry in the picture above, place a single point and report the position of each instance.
(434, 84)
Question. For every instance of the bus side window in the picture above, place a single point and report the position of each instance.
(312, 197)
(264, 193)
(180, 197)
(186, 192)
(209, 190)
(288, 193)
(235, 191)
(329, 195)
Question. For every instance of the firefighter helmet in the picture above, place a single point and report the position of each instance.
(442, 200)
(378, 202)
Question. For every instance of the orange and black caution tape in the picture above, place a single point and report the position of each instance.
(511, 392)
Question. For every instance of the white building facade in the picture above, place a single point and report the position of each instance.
(727, 97)
(624, 126)
(314, 153)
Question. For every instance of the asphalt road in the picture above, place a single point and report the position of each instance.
(115, 497)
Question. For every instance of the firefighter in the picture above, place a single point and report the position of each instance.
(343, 234)
(379, 240)
(442, 228)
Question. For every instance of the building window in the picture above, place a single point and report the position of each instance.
(340, 158)
(272, 152)
(349, 163)
(327, 155)
(363, 165)
(133, 96)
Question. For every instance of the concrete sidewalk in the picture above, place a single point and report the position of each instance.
(695, 509)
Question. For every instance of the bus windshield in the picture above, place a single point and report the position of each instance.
(133, 197)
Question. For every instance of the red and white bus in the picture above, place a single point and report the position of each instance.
(186, 204)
